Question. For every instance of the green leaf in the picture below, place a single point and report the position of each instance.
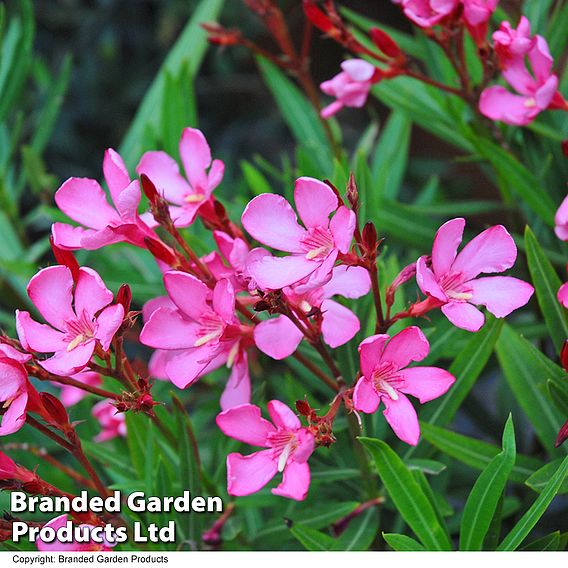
(521, 530)
(539, 479)
(360, 533)
(312, 539)
(189, 50)
(476, 453)
(549, 542)
(409, 499)
(527, 371)
(546, 283)
(403, 543)
(484, 497)
(431, 467)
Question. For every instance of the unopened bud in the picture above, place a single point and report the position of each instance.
(54, 409)
(303, 407)
(564, 146)
(369, 236)
(65, 258)
(562, 435)
(385, 43)
(320, 20)
(564, 356)
(162, 252)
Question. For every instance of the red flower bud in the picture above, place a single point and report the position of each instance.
(162, 252)
(149, 189)
(124, 297)
(370, 236)
(564, 145)
(54, 408)
(317, 17)
(65, 258)
(564, 356)
(562, 435)
(385, 43)
(303, 407)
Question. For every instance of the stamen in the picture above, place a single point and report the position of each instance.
(194, 198)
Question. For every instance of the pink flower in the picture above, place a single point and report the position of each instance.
(113, 423)
(78, 319)
(58, 546)
(187, 196)
(385, 379)
(350, 87)
(537, 91)
(70, 395)
(477, 14)
(561, 220)
(452, 281)
(15, 389)
(428, 13)
(288, 444)
(84, 201)
(201, 331)
(279, 337)
(270, 219)
(563, 294)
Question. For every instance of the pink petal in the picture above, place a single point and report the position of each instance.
(224, 300)
(70, 396)
(249, 474)
(563, 295)
(84, 201)
(339, 324)
(282, 416)
(561, 217)
(273, 273)
(215, 176)
(365, 397)
(464, 315)
(238, 389)
(295, 483)
(407, 346)
(331, 109)
(342, 227)
(168, 329)
(401, 416)
(427, 281)
(163, 171)
(195, 156)
(499, 104)
(13, 379)
(500, 294)
(348, 281)
(426, 383)
(315, 202)
(69, 237)
(245, 423)
(306, 445)
(11, 353)
(36, 336)
(270, 219)
(188, 293)
(15, 416)
(493, 250)
(65, 363)
(50, 290)
(109, 320)
(128, 200)
(184, 368)
(370, 353)
(91, 294)
(541, 60)
(152, 305)
(277, 337)
(446, 243)
(358, 69)
(115, 172)
(98, 239)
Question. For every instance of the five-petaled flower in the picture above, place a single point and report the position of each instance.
(451, 281)
(428, 13)
(386, 379)
(350, 87)
(288, 447)
(80, 317)
(186, 196)
(270, 219)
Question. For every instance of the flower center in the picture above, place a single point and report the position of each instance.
(453, 286)
(530, 103)
(79, 331)
(317, 243)
(211, 328)
(194, 197)
(387, 380)
(283, 443)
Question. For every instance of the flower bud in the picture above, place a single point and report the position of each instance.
(320, 20)
(124, 297)
(65, 258)
(54, 409)
(564, 145)
(385, 43)
(564, 356)
(562, 435)
(162, 252)
(370, 236)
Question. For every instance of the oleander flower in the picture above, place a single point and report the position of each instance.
(58, 546)
(350, 87)
(563, 295)
(279, 337)
(452, 279)
(270, 219)
(196, 331)
(187, 196)
(102, 224)
(112, 422)
(428, 13)
(288, 447)
(386, 379)
(79, 316)
(561, 220)
(477, 14)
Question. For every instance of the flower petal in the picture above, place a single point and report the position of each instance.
(277, 337)
(168, 329)
(365, 397)
(115, 172)
(446, 243)
(65, 363)
(109, 320)
(274, 273)
(224, 300)
(36, 336)
(370, 352)
(245, 423)
(358, 69)
(51, 291)
(15, 416)
(295, 482)
(188, 293)
(270, 219)
(282, 416)
(426, 383)
(69, 237)
(91, 294)
(342, 227)
(348, 281)
(315, 202)
(401, 416)
(563, 295)
(407, 346)
(500, 294)
(184, 368)
(339, 324)
(13, 379)
(163, 171)
(464, 315)
(427, 281)
(238, 389)
(249, 474)
(196, 157)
